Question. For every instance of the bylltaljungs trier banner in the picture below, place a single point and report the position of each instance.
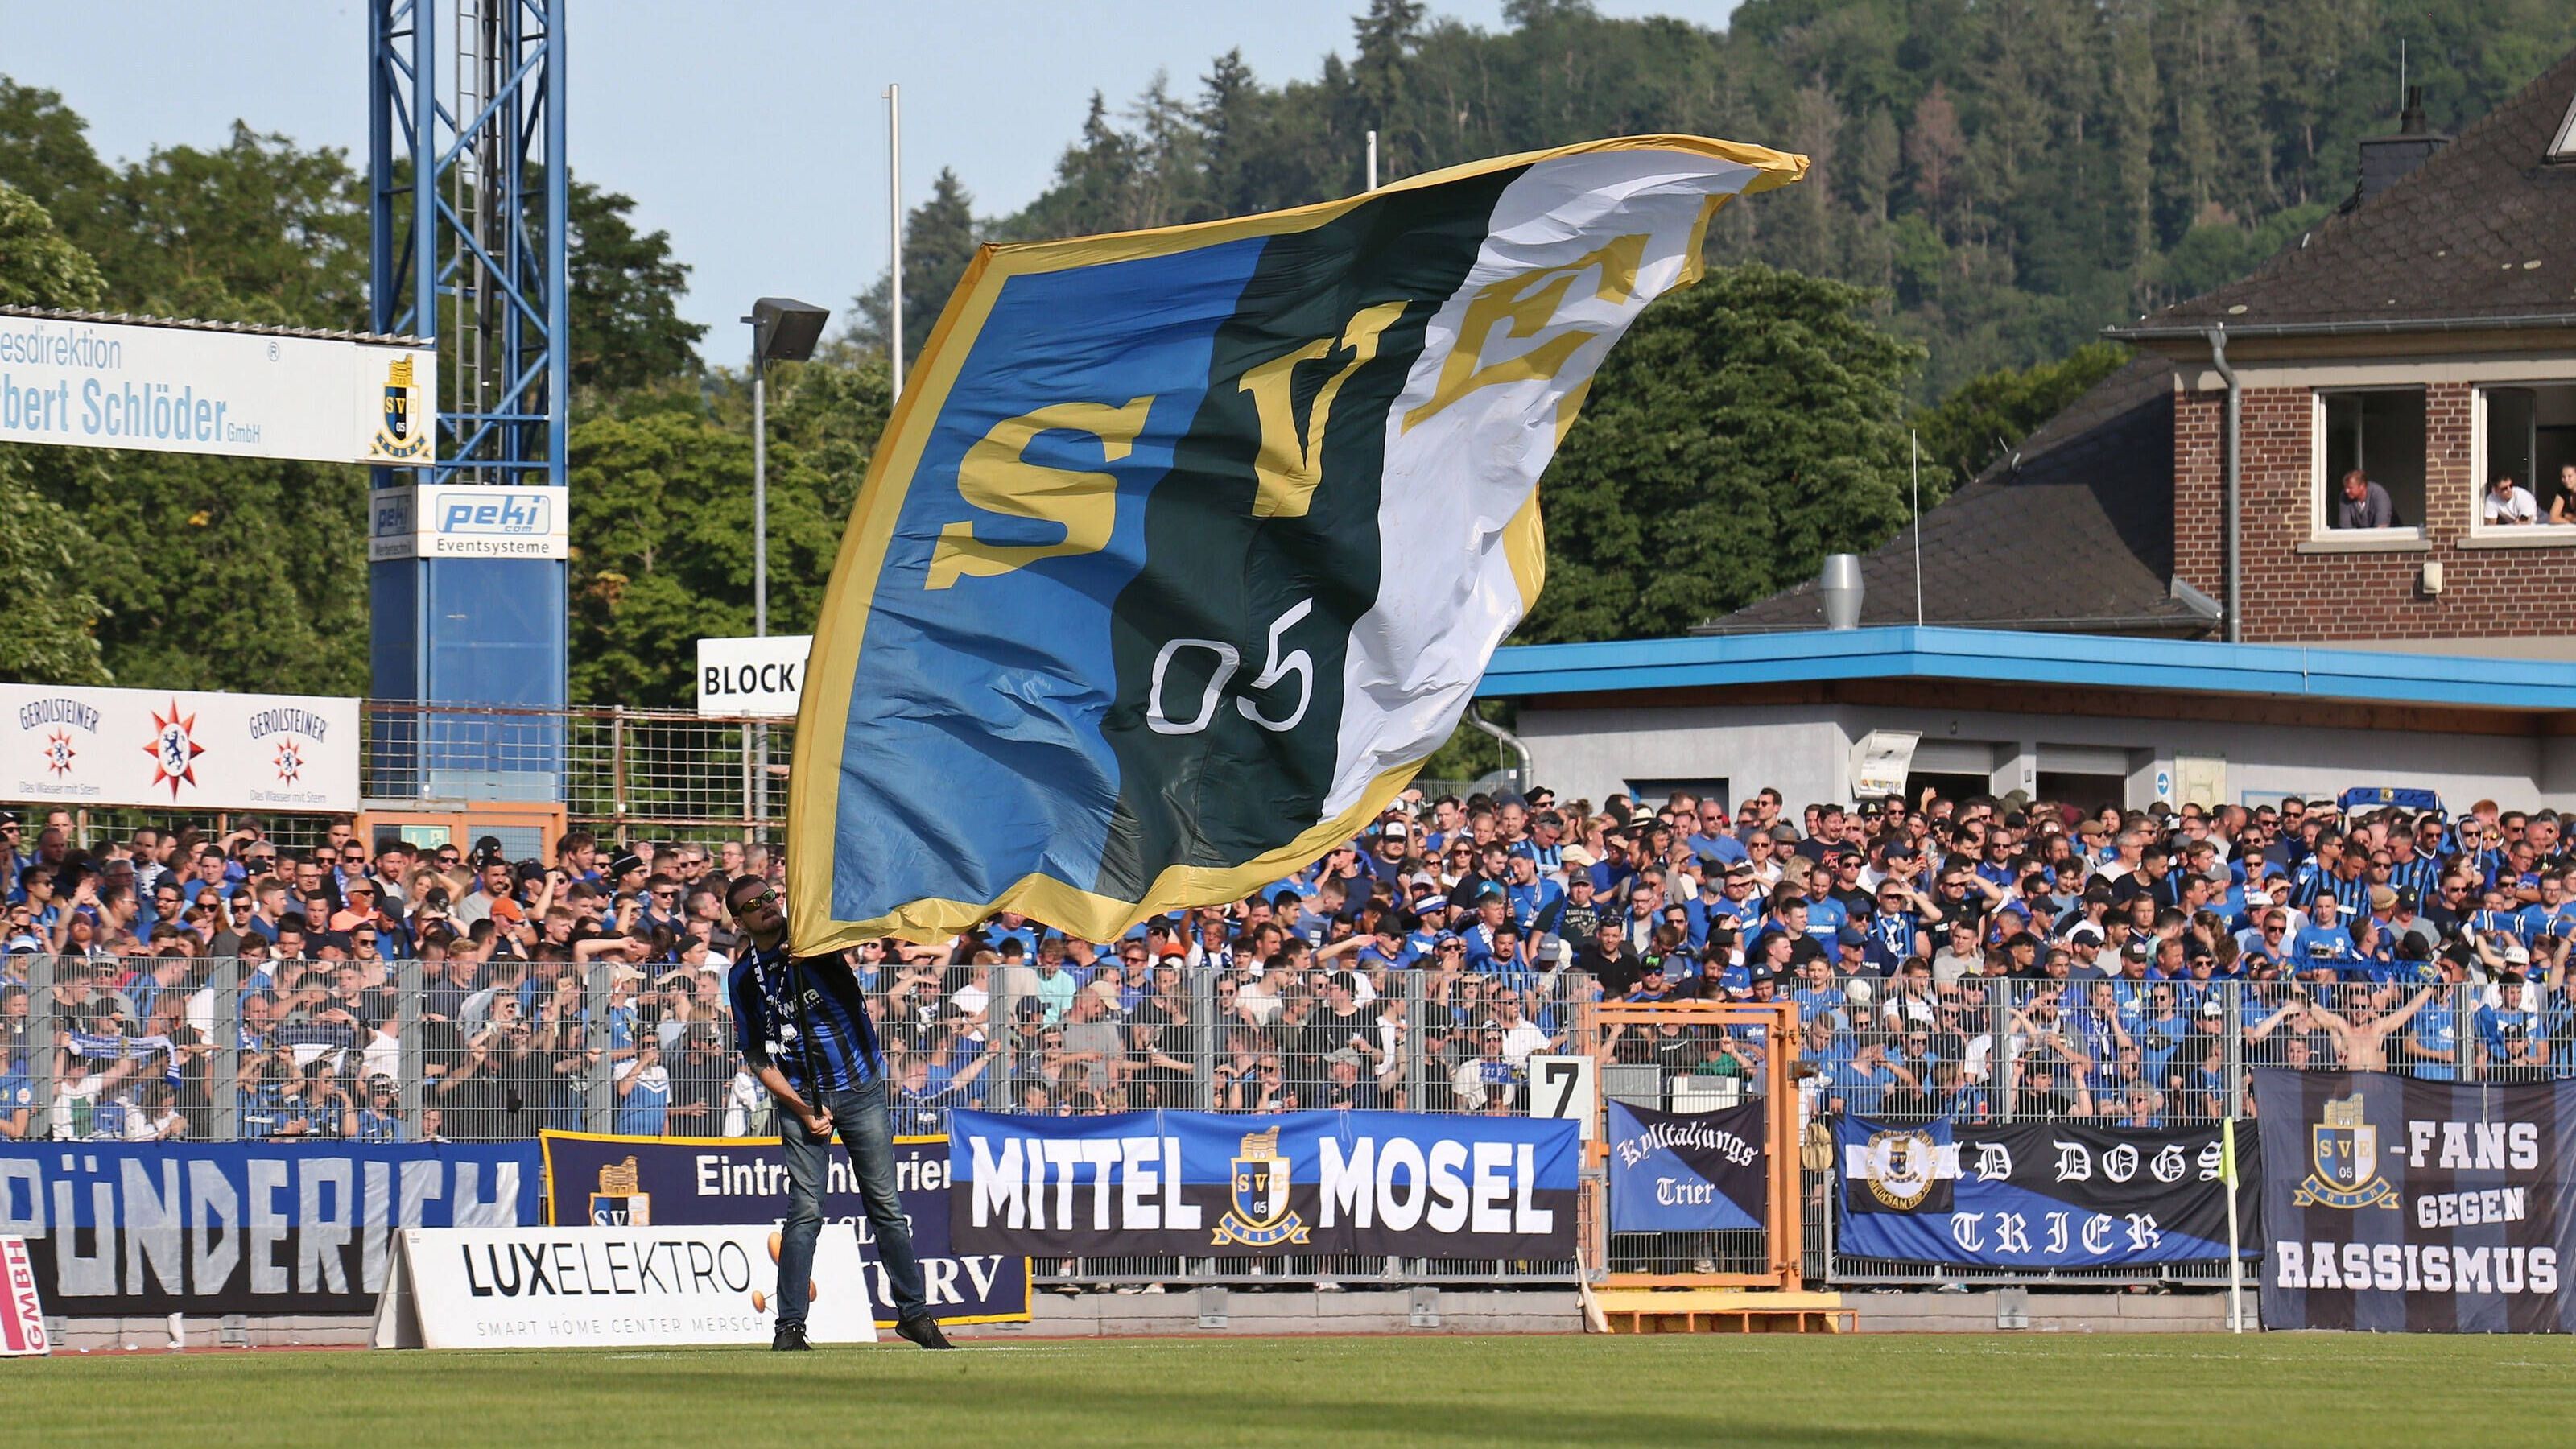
(1186, 547)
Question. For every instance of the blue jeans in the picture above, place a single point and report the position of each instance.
(859, 1118)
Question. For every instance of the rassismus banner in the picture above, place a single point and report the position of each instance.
(2391, 1204)
(1207, 1184)
(1185, 548)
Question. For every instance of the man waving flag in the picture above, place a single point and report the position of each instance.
(1186, 547)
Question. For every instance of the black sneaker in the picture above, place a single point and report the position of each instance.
(922, 1329)
(790, 1338)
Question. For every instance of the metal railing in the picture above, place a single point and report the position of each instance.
(618, 771)
(222, 1049)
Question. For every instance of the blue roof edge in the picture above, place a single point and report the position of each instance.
(1999, 656)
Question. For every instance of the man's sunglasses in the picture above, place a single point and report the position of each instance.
(762, 899)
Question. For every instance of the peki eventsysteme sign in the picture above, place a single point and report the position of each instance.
(75, 745)
(1196, 1184)
(182, 389)
(463, 520)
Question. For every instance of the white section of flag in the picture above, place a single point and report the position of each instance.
(1446, 596)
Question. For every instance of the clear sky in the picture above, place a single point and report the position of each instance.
(752, 131)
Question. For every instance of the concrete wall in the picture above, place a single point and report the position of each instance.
(1804, 752)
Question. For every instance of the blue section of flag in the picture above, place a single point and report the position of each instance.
(973, 753)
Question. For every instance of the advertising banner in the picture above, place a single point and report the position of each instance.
(76, 745)
(600, 1181)
(116, 1229)
(1680, 1172)
(1203, 1184)
(2048, 1195)
(2391, 1204)
(22, 1313)
(464, 520)
(625, 1287)
(182, 389)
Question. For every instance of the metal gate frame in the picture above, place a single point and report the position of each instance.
(1783, 1229)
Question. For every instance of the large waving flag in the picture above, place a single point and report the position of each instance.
(1186, 547)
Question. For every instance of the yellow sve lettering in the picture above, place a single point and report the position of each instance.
(995, 477)
(1520, 307)
(1291, 460)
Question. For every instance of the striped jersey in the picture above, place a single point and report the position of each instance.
(805, 1017)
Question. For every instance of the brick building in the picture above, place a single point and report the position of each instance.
(2424, 335)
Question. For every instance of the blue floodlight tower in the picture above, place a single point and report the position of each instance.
(468, 184)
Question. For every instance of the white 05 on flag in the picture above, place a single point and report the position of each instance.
(1186, 547)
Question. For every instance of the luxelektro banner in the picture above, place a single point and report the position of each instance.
(608, 1182)
(1675, 1172)
(2046, 1195)
(1204, 1184)
(622, 1287)
(117, 1229)
(2391, 1204)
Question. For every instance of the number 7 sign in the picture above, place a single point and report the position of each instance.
(1568, 1089)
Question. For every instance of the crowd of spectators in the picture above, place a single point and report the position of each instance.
(1975, 957)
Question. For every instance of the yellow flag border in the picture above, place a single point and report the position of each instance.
(823, 713)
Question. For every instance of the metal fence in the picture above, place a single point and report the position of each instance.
(219, 1049)
(618, 771)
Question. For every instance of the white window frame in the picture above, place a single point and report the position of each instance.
(2538, 534)
(2322, 534)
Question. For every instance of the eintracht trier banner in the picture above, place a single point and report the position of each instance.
(1185, 548)
(2391, 1204)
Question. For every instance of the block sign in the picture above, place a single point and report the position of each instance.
(752, 676)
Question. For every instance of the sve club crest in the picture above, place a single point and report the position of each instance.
(1258, 1215)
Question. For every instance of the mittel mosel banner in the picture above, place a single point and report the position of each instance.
(2392, 1204)
(2050, 1195)
(191, 389)
(128, 1229)
(1201, 1184)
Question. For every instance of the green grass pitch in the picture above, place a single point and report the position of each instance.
(2039, 1389)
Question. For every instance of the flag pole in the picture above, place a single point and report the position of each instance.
(894, 204)
(2235, 1253)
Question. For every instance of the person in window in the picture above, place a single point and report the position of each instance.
(2562, 509)
(2365, 504)
(2508, 502)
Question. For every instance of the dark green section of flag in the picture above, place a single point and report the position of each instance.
(1235, 790)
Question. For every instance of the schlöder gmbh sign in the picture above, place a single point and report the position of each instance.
(180, 389)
